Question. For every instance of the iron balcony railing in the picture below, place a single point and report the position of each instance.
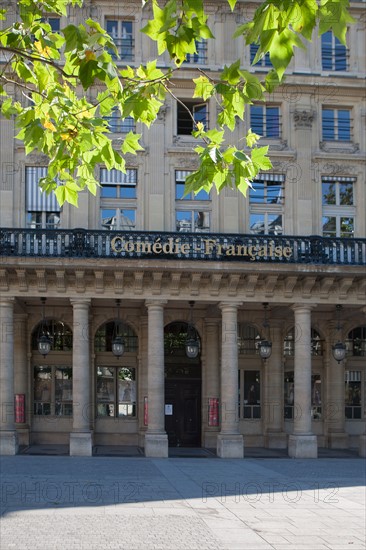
(82, 243)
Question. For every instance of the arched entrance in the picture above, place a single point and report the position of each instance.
(183, 381)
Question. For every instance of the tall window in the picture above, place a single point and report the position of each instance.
(248, 339)
(336, 124)
(317, 343)
(42, 210)
(117, 124)
(249, 394)
(353, 401)
(266, 200)
(192, 212)
(200, 56)
(52, 384)
(265, 120)
(118, 199)
(122, 33)
(116, 391)
(188, 112)
(263, 62)
(334, 54)
(338, 206)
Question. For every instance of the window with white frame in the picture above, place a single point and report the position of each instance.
(336, 124)
(116, 391)
(265, 120)
(192, 211)
(200, 57)
(190, 113)
(353, 400)
(266, 202)
(118, 199)
(264, 61)
(338, 206)
(122, 33)
(42, 210)
(334, 54)
(119, 125)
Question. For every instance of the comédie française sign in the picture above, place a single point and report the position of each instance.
(202, 247)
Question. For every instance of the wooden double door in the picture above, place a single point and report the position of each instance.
(183, 412)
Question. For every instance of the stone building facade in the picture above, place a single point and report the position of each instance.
(286, 264)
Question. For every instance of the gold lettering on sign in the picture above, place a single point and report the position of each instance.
(205, 247)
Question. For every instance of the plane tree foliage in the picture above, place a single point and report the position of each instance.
(61, 86)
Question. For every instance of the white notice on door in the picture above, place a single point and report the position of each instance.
(168, 409)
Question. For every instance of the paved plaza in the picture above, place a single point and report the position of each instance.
(69, 503)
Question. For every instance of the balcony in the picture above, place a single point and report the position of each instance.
(82, 243)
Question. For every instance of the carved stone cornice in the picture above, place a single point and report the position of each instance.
(344, 148)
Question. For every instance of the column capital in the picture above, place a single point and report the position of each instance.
(80, 302)
(233, 305)
(305, 307)
(156, 303)
(7, 301)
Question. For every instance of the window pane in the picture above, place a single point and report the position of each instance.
(329, 226)
(201, 196)
(200, 114)
(128, 191)
(256, 119)
(347, 228)
(274, 224)
(127, 219)
(105, 391)
(34, 220)
(340, 56)
(328, 124)
(256, 194)
(346, 193)
(344, 125)
(329, 193)
(257, 224)
(274, 192)
(109, 219)
(201, 221)
(42, 390)
(179, 192)
(109, 191)
(126, 392)
(183, 221)
(63, 391)
(52, 220)
(54, 22)
(273, 122)
(327, 51)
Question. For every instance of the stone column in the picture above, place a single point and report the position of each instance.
(275, 438)
(229, 442)
(8, 435)
(211, 368)
(21, 373)
(156, 439)
(302, 443)
(80, 438)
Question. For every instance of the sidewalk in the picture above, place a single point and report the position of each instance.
(100, 503)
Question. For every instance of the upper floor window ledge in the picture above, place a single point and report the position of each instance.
(339, 147)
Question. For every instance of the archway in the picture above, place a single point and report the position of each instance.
(183, 382)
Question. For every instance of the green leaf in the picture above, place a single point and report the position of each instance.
(131, 143)
(232, 4)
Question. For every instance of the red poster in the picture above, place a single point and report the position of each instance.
(213, 411)
(20, 408)
(145, 412)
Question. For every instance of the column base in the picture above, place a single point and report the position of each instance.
(8, 443)
(275, 440)
(338, 441)
(362, 446)
(303, 446)
(81, 444)
(230, 446)
(156, 445)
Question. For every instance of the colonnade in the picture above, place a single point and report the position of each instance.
(223, 382)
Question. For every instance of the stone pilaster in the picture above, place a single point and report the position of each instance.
(211, 379)
(229, 441)
(275, 438)
(21, 369)
(81, 438)
(302, 443)
(156, 439)
(8, 435)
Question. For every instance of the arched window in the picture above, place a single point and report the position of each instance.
(104, 336)
(59, 333)
(52, 383)
(356, 342)
(317, 343)
(248, 339)
(175, 337)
